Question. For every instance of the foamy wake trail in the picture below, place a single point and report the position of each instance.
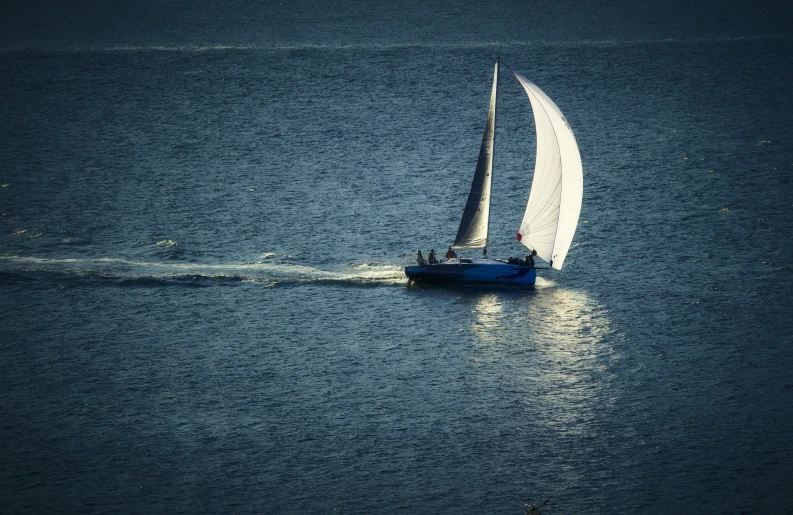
(269, 271)
(390, 274)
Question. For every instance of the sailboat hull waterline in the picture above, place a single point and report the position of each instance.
(552, 211)
(472, 271)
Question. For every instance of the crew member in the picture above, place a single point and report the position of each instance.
(530, 259)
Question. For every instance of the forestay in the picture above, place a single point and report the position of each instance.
(557, 188)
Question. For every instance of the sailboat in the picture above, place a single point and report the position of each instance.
(551, 215)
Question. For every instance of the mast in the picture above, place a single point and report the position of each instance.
(494, 94)
(475, 222)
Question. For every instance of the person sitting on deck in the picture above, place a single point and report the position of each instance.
(420, 258)
(450, 254)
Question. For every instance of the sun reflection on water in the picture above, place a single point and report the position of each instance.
(549, 349)
(551, 317)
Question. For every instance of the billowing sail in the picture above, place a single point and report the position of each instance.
(472, 233)
(557, 188)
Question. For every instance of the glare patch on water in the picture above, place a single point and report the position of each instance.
(488, 314)
(574, 353)
(551, 347)
(549, 315)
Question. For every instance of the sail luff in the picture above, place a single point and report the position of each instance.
(551, 215)
(474, 224)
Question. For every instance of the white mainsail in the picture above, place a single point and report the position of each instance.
(472, 233)
(551, 215)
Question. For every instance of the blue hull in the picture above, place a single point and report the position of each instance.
(472, 271)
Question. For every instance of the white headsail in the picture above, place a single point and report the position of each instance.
(472, 233)
(551, 215)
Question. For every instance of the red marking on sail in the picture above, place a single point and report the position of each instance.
(520, 236)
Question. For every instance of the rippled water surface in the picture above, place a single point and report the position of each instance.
(204, 309)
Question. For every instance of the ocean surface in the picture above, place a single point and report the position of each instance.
(202, 239)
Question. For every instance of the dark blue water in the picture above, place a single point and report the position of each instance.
(202, 304)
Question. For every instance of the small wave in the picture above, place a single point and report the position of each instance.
(166, 243)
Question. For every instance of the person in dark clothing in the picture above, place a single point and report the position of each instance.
(530, 259)
(450, 254)
(431, 257)
(420, 258)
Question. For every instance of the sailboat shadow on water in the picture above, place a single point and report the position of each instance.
(551, 215)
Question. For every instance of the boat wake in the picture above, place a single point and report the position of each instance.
(269, 272)
(544, 283)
